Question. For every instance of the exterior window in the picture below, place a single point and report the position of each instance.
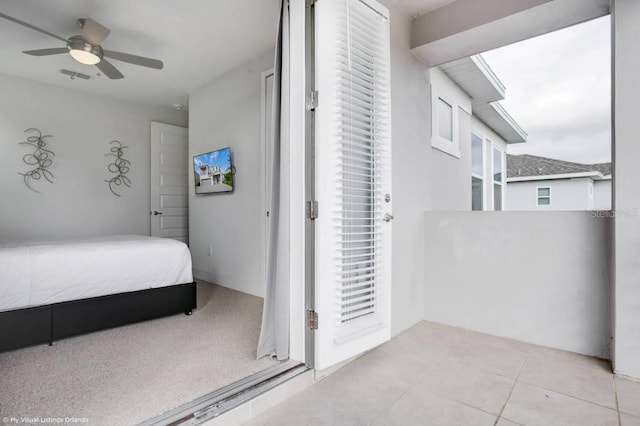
(444, 124)
(477, 173)
(497, 180)
(544, 196)
(445, 120)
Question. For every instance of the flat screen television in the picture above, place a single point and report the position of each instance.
(213, 172)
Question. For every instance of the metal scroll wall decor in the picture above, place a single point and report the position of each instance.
(120, 167)
(40, 158)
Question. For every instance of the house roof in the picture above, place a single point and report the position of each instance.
(477, 79)
(533, 167)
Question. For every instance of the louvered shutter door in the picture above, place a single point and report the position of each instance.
(353, 176)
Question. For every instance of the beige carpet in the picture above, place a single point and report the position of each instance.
(128, 374)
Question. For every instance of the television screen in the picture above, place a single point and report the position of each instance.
(212, 172)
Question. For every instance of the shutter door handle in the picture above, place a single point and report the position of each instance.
(387, 217)
(156, 213)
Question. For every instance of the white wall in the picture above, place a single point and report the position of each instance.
(538, 278)
(411, 154)
(602, 195)
(79, 202)
(626, 127)
(424, 178)
(227, 112)
(566, 194)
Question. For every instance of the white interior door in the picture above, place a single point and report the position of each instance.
(169, 181)
(353, 179)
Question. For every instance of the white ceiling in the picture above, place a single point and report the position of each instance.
(198, 40)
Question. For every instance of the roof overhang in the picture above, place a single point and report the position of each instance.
(477, 79)
(467, 27)
(495, 116)
(591, 175)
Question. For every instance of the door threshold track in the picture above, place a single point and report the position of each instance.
(213, 404)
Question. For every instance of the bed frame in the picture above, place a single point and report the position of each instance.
(44, 324)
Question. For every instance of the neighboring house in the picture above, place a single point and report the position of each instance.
(540, 183)
(468, 123)
(210, 175)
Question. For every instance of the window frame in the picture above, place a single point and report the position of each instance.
(482, 176)
(538, 197)
(494, 182)
(451, 147)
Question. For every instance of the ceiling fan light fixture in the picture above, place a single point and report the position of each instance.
(84, 57)
(84, 52)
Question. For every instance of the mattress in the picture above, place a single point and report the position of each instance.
(45, 272)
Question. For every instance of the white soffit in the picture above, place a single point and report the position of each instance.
(497, 118)
(475, 77)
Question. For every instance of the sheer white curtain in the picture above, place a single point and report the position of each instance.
(274, 334)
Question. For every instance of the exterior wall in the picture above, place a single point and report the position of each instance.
(79, 202)
(412, 181)
(566, 194)
(538, 278)
(450, 171)
(227, 112)
(602, 195)
(626, 128)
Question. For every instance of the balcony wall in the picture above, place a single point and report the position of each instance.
(542, 278)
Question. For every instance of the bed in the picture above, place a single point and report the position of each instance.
(55, 289)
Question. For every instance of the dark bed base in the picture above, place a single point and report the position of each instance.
(44, 324)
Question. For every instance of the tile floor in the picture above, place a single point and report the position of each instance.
(438, 375)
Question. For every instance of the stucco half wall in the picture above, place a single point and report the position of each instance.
(541, 278)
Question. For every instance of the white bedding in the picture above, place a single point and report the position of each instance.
(40, 273)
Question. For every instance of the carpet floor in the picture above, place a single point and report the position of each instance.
(128, 374)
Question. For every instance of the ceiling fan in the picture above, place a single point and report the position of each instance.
(86, 48)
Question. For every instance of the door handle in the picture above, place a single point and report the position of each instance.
(156, 213)
(387, 217)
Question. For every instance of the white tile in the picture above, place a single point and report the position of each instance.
(407, 366)
(628, 396)
(629, 420)
(504, 422)
(502, 342)
(364, 392)
(280, 393)
(502, 361)
(428, 339)
(564, 376)
(477, 388)
(416, 409)
(530, 405)
(575, 358)
(307, 408)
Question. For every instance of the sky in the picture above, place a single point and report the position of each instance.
(558, 90)
(220, 157)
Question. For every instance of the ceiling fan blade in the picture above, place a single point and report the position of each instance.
(109, 70)
(46, 52)
(93, 32)
(17, 21)
(134, 59)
